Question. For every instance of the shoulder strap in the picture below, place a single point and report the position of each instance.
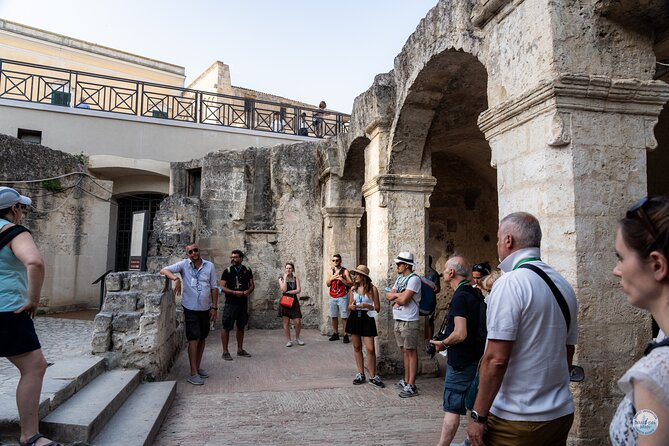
(556, 292)
(653, 345)
(8, 235)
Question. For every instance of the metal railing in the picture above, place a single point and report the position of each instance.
(24, 81)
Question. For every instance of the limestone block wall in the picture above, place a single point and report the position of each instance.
(140, 322)
(263, 201)
(69, 219)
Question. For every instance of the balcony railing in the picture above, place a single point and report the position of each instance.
(28, 82)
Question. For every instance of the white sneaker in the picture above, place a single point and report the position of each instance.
(299, 341)
(289, 344)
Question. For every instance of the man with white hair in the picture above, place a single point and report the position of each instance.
(523, 396)
(405, 299)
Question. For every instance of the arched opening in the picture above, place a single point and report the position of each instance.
(439, 120)
(352, 180)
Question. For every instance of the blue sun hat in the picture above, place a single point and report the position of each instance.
(9, 197)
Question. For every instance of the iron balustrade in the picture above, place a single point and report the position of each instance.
(60, 87)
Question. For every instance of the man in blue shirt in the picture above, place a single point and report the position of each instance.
(199, 291)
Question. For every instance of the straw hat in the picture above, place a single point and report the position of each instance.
(361, 269)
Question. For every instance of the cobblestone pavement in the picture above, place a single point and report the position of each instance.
(60, 338)
(298, 395)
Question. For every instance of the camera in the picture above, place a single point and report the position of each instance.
(431, 349)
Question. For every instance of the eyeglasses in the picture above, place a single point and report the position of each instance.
(194, 250)
(638, 211)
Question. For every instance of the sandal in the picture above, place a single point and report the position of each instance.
(32, 440)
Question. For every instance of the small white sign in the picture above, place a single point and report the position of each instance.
(137, 235)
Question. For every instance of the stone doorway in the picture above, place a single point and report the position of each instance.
(126, 206)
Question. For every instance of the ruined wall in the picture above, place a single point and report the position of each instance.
(264, 201)
(140, 323)
(69, 219)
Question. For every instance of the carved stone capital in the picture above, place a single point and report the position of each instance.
(385, 184)
(334, 213)
(570, 93)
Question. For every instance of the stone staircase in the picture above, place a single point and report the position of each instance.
(83, 403)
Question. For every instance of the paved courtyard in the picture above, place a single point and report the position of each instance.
(298, 395)
(280, 396)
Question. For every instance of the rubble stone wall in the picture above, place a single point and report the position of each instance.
(69, 219)
(139, 322)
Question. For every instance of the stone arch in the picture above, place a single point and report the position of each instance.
(451, 80)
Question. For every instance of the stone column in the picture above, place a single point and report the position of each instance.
(573, 152)
(340, 236)
(396, 221)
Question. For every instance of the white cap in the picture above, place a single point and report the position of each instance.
(9, 197)
(405, 257)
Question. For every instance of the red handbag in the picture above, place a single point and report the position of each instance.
(286, 301)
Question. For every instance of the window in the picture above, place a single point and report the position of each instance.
(194, 181)
(31, 136)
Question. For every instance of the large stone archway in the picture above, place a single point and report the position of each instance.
(568, 113)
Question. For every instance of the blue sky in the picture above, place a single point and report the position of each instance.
(304, 50)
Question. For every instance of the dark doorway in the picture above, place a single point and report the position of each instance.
(126, 206)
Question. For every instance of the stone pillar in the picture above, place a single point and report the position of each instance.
(340, 236)
(396, 221)
(573, 152)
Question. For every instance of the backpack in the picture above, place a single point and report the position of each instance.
(337, 287)
(482, 334)
(428, 300)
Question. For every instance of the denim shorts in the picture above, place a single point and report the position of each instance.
(339, 307)
(456, 384)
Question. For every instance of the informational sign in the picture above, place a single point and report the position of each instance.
(139, 241)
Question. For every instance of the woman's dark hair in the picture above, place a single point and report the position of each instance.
(483, 268)
(366, 284)
(5, 211)
(645, 227)
(291, 264)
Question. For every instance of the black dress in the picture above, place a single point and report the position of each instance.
(293, 312)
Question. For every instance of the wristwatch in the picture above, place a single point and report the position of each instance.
(478, 418)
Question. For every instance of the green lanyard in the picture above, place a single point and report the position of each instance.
(463, 282)
(529, 259)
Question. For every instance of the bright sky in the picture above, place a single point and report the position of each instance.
(300, 49)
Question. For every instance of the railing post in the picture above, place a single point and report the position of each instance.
(140, 99)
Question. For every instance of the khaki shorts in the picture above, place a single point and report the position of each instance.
(503, 432)
(406, 334)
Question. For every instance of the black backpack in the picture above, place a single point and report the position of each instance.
(482, 334)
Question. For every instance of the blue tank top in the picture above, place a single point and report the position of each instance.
(13, 279)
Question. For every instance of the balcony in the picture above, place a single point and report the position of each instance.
(58, 87)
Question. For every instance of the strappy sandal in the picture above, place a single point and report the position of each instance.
(32, 440)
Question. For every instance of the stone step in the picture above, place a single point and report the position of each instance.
(61, 380)
(84, 415)
(137, 422)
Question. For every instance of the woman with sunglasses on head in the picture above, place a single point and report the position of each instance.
(290, 286)
(479, 271)
(21, 278)
(363, 299)
(642, 248)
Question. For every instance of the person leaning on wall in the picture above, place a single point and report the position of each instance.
(21, 278)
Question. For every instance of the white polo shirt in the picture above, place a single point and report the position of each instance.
(522, 308)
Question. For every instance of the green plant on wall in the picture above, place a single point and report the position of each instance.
(52, 185)
(82, 158)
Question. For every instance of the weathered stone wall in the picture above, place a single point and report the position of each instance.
(69, 219)
(140, 322)
(265, 202)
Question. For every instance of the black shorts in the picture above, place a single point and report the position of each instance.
(235, 313)
(17, 334)
(197, 324)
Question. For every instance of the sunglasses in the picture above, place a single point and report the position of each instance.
(194, 250)
(336, 260)
(480, 269)
(638, 211)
